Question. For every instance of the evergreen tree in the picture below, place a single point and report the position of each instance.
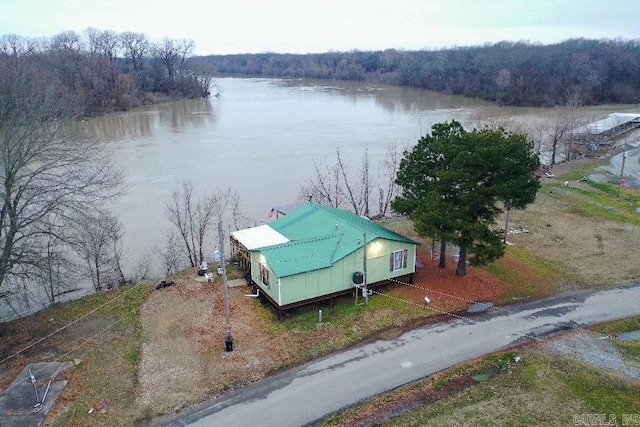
(455, 183)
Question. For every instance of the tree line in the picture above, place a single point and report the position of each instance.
(111, 71)
(509, 73)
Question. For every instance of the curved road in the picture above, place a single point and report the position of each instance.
(312, 392)
(631, 171)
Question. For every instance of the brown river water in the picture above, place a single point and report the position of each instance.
(261, 137)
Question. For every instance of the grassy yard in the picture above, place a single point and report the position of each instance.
(583, 229)
(104, 331)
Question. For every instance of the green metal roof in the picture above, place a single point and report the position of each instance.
(320, 236)
(301, 256)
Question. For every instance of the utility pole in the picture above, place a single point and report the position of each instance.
(506, 226)
(624, 157)
(228, 340)
(364, 272)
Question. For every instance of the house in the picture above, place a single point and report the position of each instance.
(317, 253)
(282, 210)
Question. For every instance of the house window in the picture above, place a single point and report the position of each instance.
(264, 274)
(398, 260)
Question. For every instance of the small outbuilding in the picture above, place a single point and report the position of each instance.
(316, 253)
(605, 130)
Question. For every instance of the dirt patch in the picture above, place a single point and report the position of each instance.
(381, 412)
(184, 359)
(446, 291)
(594, 349)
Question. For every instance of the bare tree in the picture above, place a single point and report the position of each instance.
(47, 180)
(141, 271)
(561, 129)
(324, 186)
(557, 130)
(60, 272)
(109, 45)
(335, 185)
(135, 47)
(365, 182)
(354, 195)
(204, 73)
(67, 50)
(239, 221)
(170, 255)
(97, 240)
(15, 45)
(173, 55)
(193, 218)
(387, 187)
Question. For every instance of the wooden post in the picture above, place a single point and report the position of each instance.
(624, 157)
(506, 226)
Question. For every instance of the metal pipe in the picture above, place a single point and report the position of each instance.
(35, 387)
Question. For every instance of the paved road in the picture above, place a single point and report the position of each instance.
(631, 171)
(313, 391)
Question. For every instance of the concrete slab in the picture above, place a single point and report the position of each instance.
(479, 307)
(236, 282)
(218, 281)
(630, 336)
(18, 403)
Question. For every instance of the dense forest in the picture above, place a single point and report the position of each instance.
(576, 72)
(109, 71)
(117, 71)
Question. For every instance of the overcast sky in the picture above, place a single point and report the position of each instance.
(301, 26)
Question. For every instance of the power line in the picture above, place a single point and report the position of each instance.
(69, 324)
(532, 337)
(67, 353)
(448, 313)
(506, 310)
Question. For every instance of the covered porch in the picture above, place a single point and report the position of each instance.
(249, 239)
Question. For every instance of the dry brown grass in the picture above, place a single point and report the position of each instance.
(184, 359)
(590, 250)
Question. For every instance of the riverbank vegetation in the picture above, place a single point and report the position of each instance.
(57, 231)
(574, 72)
(118, 71)
(109, 71)
(54, 227)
